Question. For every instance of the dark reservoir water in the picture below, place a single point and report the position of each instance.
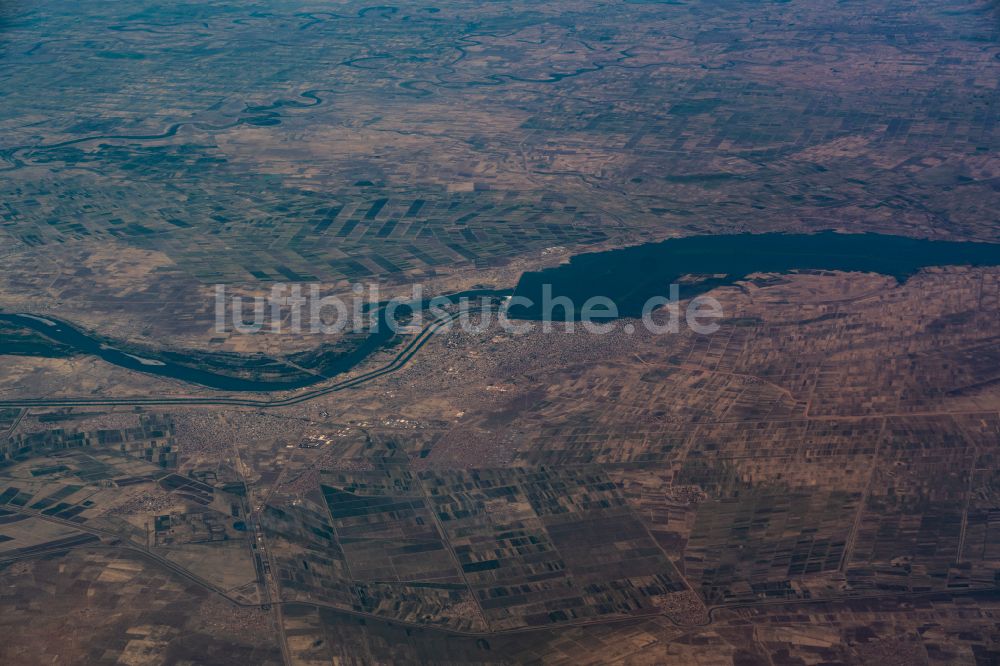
(631, 276)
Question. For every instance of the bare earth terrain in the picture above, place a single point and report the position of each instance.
(816, 482)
